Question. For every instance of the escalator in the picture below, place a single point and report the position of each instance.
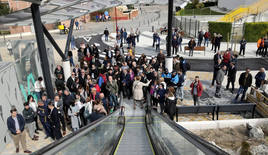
(131, 132)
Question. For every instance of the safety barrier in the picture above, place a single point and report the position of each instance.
(242, 107)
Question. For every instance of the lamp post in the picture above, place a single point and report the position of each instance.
(169, 58)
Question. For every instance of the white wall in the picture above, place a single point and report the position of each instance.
(232, 4)
(10, 95)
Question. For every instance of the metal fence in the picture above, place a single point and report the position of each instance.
(190, 26)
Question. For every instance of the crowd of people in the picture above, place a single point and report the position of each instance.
(92, 91)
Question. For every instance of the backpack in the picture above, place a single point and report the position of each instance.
(188, 66)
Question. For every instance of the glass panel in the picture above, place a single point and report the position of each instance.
(98, 140)
(175, 143)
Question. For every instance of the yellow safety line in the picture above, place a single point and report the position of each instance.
(135, 122)
(115, 152)
(151, 146)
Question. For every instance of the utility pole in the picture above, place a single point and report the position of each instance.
(169, 58)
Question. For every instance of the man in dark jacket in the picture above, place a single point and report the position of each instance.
(58, 103)
(67, 99)
(106, 34)
(174, 45)
(125, 79)
(265, 47)
(191, 46)
(60, 84)
(231, 76)
(218, 42)
(42, 112)
(54, 121)
(71, 83)
(29, 115)
(243, 43)
(245, 81)
(217, 66)
(260, 77)
(15, 124)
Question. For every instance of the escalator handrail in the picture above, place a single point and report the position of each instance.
(202, 144)
(75, 135)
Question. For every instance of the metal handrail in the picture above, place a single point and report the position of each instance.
(200, 143)
(57, 145)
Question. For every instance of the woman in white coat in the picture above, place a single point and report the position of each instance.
(137, 90)
(73, 112)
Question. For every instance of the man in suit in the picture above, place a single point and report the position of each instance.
(15, 124)
(58, 104)
(54, 121)
(231, 76)
(71, 83)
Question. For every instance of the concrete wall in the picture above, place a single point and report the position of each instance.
(10, 95)
(232, 4)
(204, 125)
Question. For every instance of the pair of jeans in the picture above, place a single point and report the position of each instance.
(180, 92)
(206, 42)
(113, 100)
(71, 61)
(242, 90)
(106, 38)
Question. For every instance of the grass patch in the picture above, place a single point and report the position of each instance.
(203, 11)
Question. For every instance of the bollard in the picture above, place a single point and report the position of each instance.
(152, 28)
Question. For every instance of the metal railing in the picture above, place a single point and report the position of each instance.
(244, 11)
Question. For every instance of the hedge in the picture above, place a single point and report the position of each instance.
(224, 28)
(254, 31)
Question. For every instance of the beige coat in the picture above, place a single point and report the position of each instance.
(137, 89)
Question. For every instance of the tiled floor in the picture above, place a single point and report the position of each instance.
(31, 145)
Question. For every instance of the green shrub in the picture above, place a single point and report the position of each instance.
(189, 6)
(200, 5)
(4, 32)
(4, 9)
(254, 31)
(224, 28)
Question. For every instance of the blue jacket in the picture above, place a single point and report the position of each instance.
(166, 75)
(11, 124)
(175, 79)
(259, 78)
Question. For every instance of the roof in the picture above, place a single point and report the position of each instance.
(53, 11)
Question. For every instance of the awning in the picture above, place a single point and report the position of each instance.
(53, 11)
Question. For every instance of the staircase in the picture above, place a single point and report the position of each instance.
(244, 11)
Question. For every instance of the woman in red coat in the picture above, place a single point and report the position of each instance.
(197, 90)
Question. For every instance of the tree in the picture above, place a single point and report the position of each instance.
(4, 9)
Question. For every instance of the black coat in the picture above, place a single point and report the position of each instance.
(55, 123)
(28, 115)
(171, 108)
(71, 84)
(232, 74)
(60, 85)
(191, 44)
(245, 82)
